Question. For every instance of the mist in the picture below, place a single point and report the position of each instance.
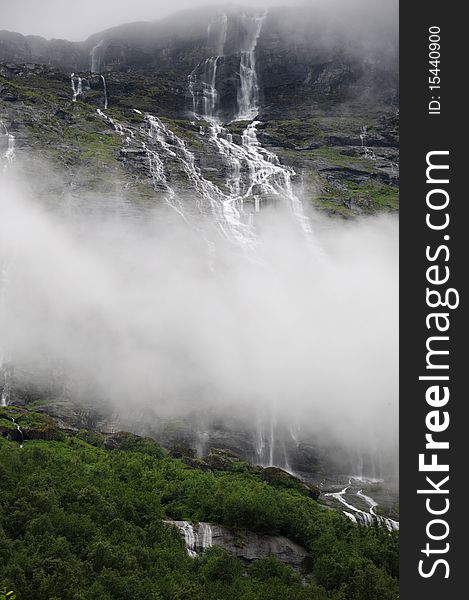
(74, 21)
(137, 310)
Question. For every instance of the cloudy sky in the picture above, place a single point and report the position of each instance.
(78, 19)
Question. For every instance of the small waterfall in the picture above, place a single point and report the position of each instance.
(216, 33)
(363, 135)
(197, 539)
(9, 153)
(270, 448)
(5, 371)
(105, 92)
(358, 515)
(223, 207)
(203, 79)
(189, 537)
(205, 98)
(351, 516)
(248, 91)
(77, 86)
(97, 54)
(205, 536)
(5, 397)
(20, 432)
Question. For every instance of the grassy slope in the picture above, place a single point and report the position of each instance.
(78, 521)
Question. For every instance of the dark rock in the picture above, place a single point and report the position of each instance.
(123, 440)
(249, 546)
(222, 460)
(279, 478)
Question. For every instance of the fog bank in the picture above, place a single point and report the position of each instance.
(135, 310)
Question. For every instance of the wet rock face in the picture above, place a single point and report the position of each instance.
(244, 544)
(300, 71)
(249, 546)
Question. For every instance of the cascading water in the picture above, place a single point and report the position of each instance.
(197, 539)
(269, 445)
(254, 172)
(216, 33)
(106, 103)
(248, 91)
(97, 53)
(357, 515)
(223, 207)
(77, 86)
(9, 152)
(5, 396)
(20, 432)
(363, 135)
(205, 101)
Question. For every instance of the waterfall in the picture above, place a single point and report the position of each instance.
(351, 516)
(358, 515)
(77, 86)
(216, 33)
(204, 76)
(189, 537)
(5, 397)
(197, 539)
(205, 100)
(205, 536)
(9, 153)
(222, 206)
(203, 79)
(248, 91)
(20, 432)
(5, 372)
(97, 57)
(253, 171)
(105, 92)
(363, 135)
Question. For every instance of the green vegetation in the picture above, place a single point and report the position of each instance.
(33, 424)
(79, 520)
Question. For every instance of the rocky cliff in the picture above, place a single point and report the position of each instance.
(199, 113)
(325, 99)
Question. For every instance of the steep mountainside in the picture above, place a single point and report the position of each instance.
(219, 112)
(326, 102)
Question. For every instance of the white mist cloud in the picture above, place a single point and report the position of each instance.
(76, 21)
(131, 311)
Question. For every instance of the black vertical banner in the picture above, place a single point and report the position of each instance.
(434, 259)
